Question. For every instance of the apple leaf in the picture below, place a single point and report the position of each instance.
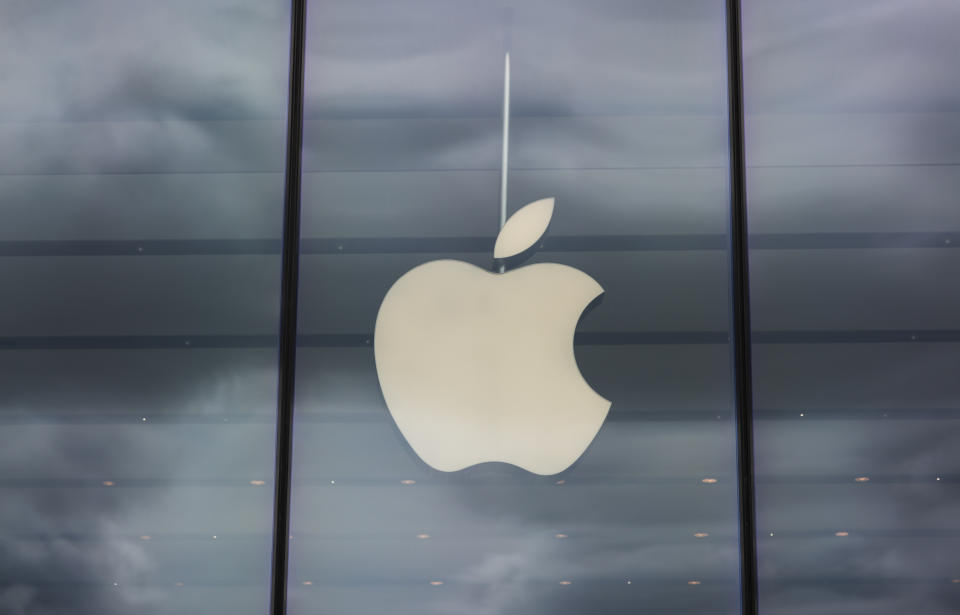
(524, 228)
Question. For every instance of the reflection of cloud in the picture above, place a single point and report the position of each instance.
(501, 579)
(71, 536)
(114, 568)
(855, 56)
(199, 89)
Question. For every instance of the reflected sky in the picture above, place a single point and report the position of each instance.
(614, 105)
(141, 158)
(852, 127)
(129, 439)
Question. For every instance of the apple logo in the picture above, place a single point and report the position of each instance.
(477, 366)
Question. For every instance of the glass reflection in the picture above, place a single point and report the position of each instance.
(852, 147)
(141, 149)
(618, 110)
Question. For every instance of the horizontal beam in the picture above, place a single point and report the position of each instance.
(475, 244)
(585, 338)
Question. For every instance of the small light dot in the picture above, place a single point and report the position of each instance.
(408, 481)
(862, 479)
(115, 584)
(187, 343)
(333, 482)
(801, 414)
(308, 582)
(143, 418)
(140, 248)
(214, 536)
(258, 483)
(436, 583)
(560, 536)
(701, 535)
(423, 536)
(560, 482)
(566, 582)
(179, 583)
(771, 533)
(708, 481)
(841, 534)
(938, 478)
(110, 483)
(146, 537)
(629, 582)
(693, 582)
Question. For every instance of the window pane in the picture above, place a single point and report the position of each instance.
(619, 111)
(854, 166)
(141, 156)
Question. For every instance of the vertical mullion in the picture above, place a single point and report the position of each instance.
(740, 299)
(287, 351)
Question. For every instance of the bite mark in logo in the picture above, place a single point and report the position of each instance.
(478, 366)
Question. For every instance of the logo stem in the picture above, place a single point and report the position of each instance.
(504, 159)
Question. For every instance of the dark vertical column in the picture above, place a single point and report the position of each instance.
(290, 256)
(740, 296)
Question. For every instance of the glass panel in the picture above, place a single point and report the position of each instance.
(619, 111)
(853, 126)
(141, 155)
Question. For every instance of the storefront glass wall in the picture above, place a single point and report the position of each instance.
(142, 175)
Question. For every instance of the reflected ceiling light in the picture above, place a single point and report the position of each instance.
(693, 582)
(258, 483)
(143, 419)
(214, 536)
(333, 482)
(701, 535)
(436, 583)
(308, 582)
(115, 584)
(565, 582)
(771, 533)
(938, 478)
(708, 481)
(862, 479)
(110, 483)
(561, 481)
(629, 582)
(477, 366)
(408, 481)
(560, 536)
(841, 534)
(955, 580)
(801, 414)
(423, 536)
(146, 537)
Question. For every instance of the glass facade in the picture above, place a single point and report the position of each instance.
(853, 150)
(142, 172)
(402, 166)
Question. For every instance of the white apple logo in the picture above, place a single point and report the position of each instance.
(478, 366)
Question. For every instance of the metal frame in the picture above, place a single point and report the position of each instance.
(290, 258)
(739, 295)
(740, 312)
